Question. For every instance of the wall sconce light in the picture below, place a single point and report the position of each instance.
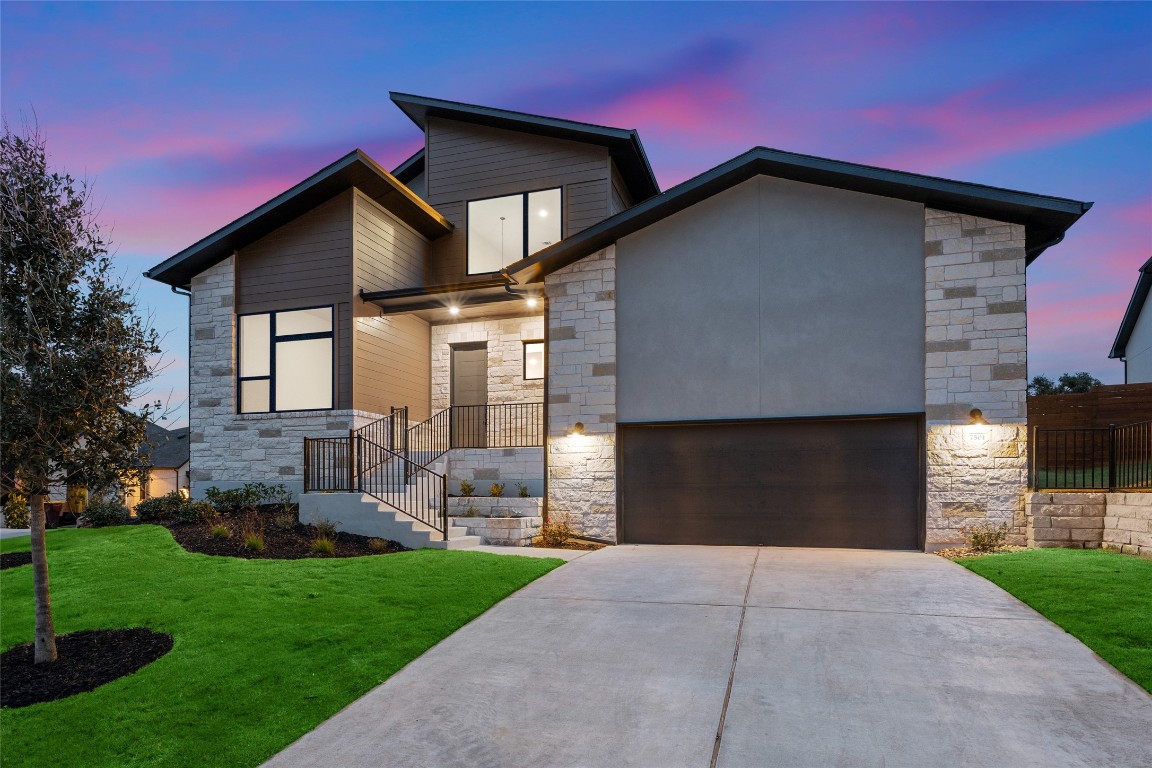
(577, 429)
(976, 416)
(977, 429)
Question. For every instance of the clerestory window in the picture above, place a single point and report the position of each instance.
(502, 230)
(285, 361)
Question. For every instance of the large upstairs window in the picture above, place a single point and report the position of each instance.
(285, 361)
(502, 230)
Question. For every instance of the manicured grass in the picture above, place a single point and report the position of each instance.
(264, 649)
(1102, 598)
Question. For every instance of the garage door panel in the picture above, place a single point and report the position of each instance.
(836, 483)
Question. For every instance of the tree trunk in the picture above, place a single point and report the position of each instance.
(45, 631)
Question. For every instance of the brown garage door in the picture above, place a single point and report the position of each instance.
(804, 483)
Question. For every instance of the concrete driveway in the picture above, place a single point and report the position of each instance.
(660, 657)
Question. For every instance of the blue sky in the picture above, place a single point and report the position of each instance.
(187, 115)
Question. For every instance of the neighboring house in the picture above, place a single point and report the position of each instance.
(1133, 342)
(782, 350)
(165, 453)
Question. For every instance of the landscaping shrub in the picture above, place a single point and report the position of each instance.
(467, 488)
(522, 490)
(556, 533)
(986, 537)
(471, 511)
(17, 513)
(220, 532)
(496, 490)
(248, 498)
(325, 528)
(194, 512)
(254, 542)
(323, 547)
(379, 546)
(165, 507)
(286, 521)
(252, 530)
(104, 512)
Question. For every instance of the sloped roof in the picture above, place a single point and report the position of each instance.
(623, 144)
(1135, 307)
(1046, 218)
(169, 447)
(355, 169)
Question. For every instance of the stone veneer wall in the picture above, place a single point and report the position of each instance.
(1116, 521)
(228, 449)
(582, 387)
(976, 343)
(484, 466)
(505, 337)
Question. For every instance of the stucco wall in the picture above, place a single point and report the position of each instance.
(773, 298)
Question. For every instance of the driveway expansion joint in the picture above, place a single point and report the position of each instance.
(897, 613)
(735, 659)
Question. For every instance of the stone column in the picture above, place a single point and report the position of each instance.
(976, 357)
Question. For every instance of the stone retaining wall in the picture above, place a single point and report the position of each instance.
(1116, 521)
(484, 466)
(502, 531)
(488, 506)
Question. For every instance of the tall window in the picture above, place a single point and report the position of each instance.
(502, 230)
(533, 360)
(285, 361)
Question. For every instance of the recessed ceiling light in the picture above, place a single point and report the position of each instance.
(543, 213)
(453, 310)
(531, 301)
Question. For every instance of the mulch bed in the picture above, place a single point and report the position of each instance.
(14, 560)
(86, 661)
(279, 544)
(955, 553)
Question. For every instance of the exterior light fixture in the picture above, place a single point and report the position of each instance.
(453, 310)
(977, 429)
(531, 301)
(577, 429)
(976, 416)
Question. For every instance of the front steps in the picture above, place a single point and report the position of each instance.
(362, 514)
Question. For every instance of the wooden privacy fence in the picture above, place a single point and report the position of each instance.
(1109, 404)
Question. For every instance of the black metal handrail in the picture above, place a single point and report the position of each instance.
(493, 425)
(1108, 458)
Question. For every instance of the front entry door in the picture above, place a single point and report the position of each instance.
(469, 395)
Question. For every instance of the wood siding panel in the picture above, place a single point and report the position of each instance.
(388, 253)
(303, 263)
(469, 162)
(393, 365)
(620, 199)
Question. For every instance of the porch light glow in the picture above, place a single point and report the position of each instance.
(976, 431)
(531, 301)
(577, 429)
(976, 416)
(453, 310)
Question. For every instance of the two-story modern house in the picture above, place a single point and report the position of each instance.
(783, 350)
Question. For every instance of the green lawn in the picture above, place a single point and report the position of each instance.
(264, 649)
(1102, 598)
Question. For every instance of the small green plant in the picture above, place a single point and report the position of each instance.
(220, 532)
(104, 512)
(471, 511)
(522, 490)
(378, 546)
(467, 488)
(17, 513)
(285, 521)
(323, 547)
(252, 531)
(556, 533)
(167, 507)
(195, 512)
(325, 528)
(248, 498)
(496, 490)
(986, 537)
(254, 542)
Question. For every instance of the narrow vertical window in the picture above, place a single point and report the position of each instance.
(533, 360)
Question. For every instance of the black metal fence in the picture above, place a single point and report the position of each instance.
(497, 425)
(1112, 458)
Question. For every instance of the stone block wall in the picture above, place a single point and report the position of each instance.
(976, 342)
(1073, 520)
(505, 338)
(582, 388)
(228, 449)
(502, 531)
(1128, 523)
(487, 506)
(484, 466)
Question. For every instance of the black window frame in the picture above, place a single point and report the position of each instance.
(524, 358)
(524, 237)
(273, 338)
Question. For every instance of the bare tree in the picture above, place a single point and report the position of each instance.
(74, 352)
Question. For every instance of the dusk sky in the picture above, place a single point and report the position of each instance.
(188, 115)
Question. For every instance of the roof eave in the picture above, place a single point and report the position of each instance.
(1132, 313)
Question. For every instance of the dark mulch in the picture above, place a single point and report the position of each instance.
(14, 559)
(87, 660)
(279, 544)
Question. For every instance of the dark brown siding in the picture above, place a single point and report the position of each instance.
(392, 355)
(467, 162)
(306, 263)
(620, 199)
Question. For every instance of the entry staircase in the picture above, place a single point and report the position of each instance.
(389, 479)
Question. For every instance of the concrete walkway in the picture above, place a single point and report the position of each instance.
(660, 657)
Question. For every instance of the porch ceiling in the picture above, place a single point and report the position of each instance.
(485, 299)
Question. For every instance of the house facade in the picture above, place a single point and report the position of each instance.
(1133, 343)
(783, 350)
